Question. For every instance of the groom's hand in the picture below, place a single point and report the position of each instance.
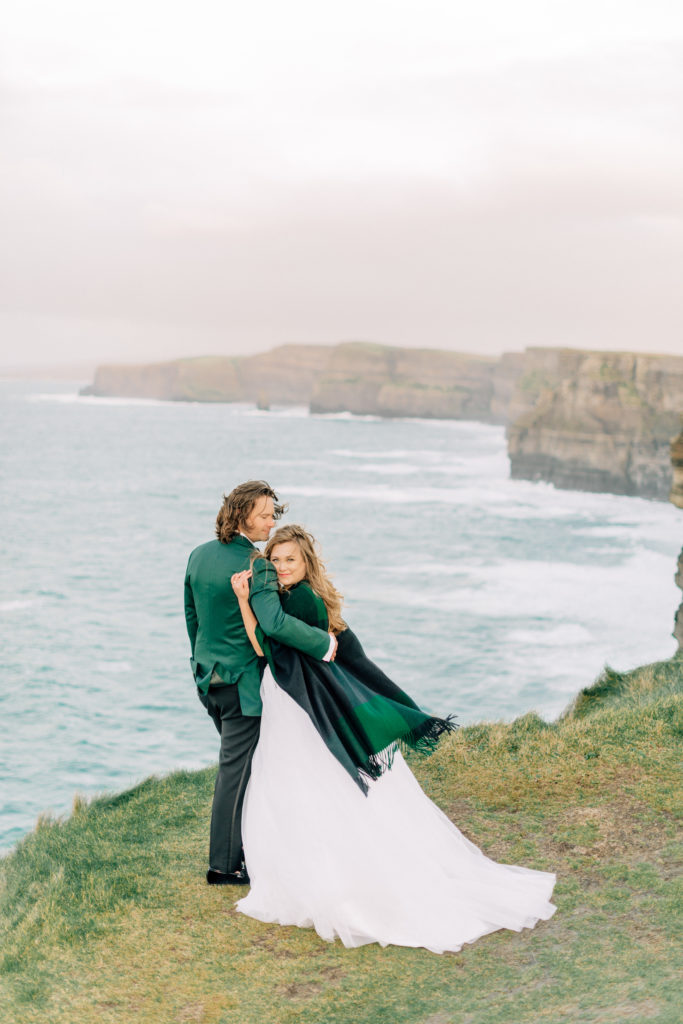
(332, 651)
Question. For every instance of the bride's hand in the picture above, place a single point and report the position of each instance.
(240, 583)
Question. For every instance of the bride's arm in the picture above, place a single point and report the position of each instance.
(240, 584)
(276, 623)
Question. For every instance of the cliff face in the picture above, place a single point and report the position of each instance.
(676, 495)
(356, 377)
(284, 375)
(383, 381)
(181, 380)
(596, 421)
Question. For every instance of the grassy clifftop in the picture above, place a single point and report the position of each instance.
(106, 916)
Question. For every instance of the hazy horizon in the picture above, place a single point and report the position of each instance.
(212, 179)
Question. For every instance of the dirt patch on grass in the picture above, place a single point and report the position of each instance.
(622, 829)
(272, 942)
(300, 990)
(326, 977)
(192, 1013)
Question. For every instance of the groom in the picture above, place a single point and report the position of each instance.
(226, 668)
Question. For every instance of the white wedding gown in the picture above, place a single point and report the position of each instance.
(388, 867)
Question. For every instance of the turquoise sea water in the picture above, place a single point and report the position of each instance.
(479, 595)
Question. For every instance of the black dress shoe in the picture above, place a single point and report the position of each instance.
(231, 878)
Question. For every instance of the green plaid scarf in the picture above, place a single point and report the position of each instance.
(358, 711)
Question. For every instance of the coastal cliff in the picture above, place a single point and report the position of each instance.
(383, 381)
(596, 421)
(357, 377)
(676, 495)
(593, 421)
(284, 375)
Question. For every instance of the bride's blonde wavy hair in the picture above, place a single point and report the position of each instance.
(316, 573)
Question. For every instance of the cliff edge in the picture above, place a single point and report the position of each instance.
(106, 918)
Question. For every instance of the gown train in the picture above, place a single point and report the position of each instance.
(388, 867)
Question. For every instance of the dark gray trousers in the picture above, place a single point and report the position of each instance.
(239, 736)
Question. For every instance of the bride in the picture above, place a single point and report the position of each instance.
(338, 835)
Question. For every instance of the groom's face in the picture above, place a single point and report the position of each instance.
(260, 520)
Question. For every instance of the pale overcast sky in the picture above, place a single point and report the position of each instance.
(185, 178)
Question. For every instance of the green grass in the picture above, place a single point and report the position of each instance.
(106, 916)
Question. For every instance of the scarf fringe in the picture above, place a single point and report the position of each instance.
(424, 739)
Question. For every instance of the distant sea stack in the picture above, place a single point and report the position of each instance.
(591, 421)
(596, 421)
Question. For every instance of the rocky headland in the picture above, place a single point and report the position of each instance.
(594, 421)
(285, 376)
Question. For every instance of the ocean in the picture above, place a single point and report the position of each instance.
(480, 595)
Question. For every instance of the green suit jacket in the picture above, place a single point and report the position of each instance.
(214, 622)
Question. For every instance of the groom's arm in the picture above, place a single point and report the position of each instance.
(265, 602)
(191, 620)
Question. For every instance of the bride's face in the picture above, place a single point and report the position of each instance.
(289, 562)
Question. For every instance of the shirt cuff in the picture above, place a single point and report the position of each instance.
(330, 650)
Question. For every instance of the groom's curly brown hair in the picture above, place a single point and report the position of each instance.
(237, 506)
